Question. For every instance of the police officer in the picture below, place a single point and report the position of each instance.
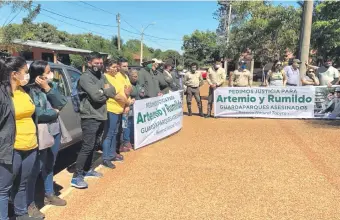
(193, 80)
(216, 77)
(241, 77)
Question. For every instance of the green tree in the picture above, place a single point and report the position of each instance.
(326, 29)
(200, 47)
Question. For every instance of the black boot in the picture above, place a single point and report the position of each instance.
(200, 108)
(189, 110)
(208, 112)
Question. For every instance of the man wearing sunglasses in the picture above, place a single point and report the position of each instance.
(327, 74)
(293, 73)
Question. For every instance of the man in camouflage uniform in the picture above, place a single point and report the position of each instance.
(193, 80)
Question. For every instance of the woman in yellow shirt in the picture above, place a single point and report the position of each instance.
(25, 144)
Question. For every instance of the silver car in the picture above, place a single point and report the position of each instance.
(65, 76)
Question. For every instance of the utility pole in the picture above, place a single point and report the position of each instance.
(305, 37)
(141, 47)
(227, 25)
(141, 42)
(118, 24)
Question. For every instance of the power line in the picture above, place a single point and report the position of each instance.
(100, 9)
(75, 25)
(14, 17)
(130, 25)
(75, 19)
(7, 18)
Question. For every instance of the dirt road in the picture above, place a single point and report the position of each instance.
(220, 169)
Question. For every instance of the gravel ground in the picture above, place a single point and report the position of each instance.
(219, 169)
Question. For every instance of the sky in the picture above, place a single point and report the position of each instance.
(170, 20)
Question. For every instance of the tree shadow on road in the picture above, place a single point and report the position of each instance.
(324, 123)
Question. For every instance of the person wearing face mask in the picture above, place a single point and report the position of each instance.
(148, 81)
(327, 74)
(216, 77)
(310, 79)
(194, 80)
(48, 102)
(241, 77)
(93, 114)
(293, 73)
(123, 77)
(276, 76)
(18, 140)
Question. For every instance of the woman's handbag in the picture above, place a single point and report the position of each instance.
(46, 140)
(65, 135)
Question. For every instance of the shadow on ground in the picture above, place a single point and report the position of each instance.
(323, 123)
(66, 160)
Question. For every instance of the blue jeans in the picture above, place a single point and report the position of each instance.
(23, 162)
(131, 130)
(112, 128)
(45, 163)
(6, 181)
(126, 133)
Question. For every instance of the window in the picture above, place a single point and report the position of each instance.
(74, 75)
(59, 79)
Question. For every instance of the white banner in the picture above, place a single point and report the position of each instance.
(266, 102)
(157, 118)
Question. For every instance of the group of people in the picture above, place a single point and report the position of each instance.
(289, 75)
(30, 136)
(32, 131)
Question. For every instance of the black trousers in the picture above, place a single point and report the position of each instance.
(92, 133)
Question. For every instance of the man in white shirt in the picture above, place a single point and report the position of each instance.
(327, 74)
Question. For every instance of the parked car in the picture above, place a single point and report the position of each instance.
(64, 76)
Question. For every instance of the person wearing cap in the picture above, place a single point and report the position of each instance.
(194, 80)
(216, 77)
(293, 73)
(241, 77)
(276, 76)
(147, 80)
(328, 75)
(310, 79)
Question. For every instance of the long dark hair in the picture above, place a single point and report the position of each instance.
(37, 68)
(274, 65)
(7, 66)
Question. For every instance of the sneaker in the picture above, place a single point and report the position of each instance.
(54, 200)
(34, 212)
(128, 145)
(93, 173)
(118, 158)
(79, 183)
(108, 164)
(123, 148)
(26, 217)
